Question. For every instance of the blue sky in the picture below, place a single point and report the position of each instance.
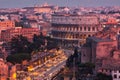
(87, 3)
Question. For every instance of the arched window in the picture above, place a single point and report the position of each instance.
(88, 28)
(119, 32)
(80, 28)
(89, 35)
(77, 28)
(84, 28)
(93, 28)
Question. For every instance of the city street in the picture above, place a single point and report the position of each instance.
(48, 69)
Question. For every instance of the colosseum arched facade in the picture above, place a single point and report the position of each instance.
(72, 30)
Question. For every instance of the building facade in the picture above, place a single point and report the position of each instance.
(72, 29)
(7, 35)
(3, 70)
(102, 45)
(103, 50)
(6, 24)
(111, 69)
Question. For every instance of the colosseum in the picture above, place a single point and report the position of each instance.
(70, 30)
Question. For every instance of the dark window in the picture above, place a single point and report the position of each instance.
(77, 28)
(80, 28)
(83, 54)
(119, 70)
(84, 28)
(119, 31)
(93, 28)
(110, 71)
(102, 70)
(89, 35)
(115, 76)
(88, 28)
(106, 70)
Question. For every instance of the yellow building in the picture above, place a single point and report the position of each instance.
(3, 70)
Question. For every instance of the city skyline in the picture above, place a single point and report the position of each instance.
(71, 3)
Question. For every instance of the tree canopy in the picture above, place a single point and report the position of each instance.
(20, 44)
(21, 47)
(101, 76)
(18, 58)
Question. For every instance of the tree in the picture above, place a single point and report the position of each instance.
(20, 44)
(69, 62)
(18, 58)
(35, 38)
(75, 52)
(41, 42)
(101, 76)
(86, 68)
(38, 41)
(51, 43)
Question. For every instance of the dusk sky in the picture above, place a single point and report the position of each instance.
(87, 3)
